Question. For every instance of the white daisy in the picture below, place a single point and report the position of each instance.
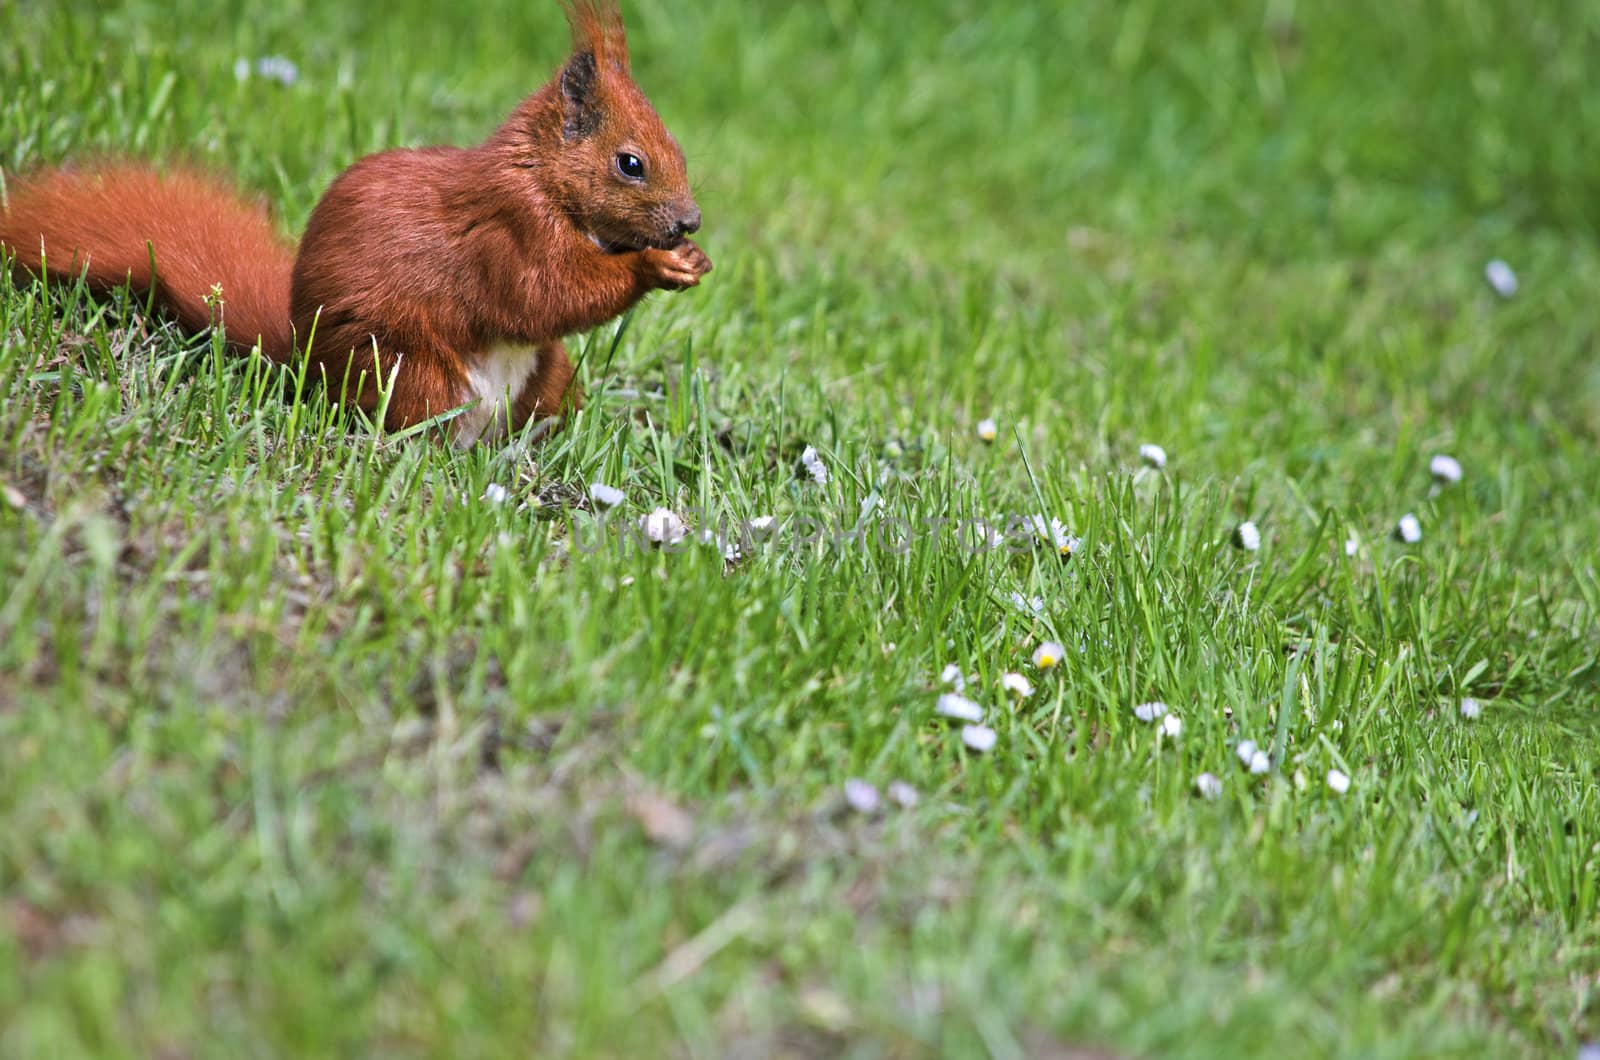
(1208, 785)
(1339, 782)
(980, 738)
(1148, 712)
(606, 496)
(1172, 725)
(1247, 536)
(663, 526)
(1054, 532)
(1408, 529)
(987, 430)
(277, 68)
(1445, 469)
(951, 675)
(958, 708)
(1471, 708)
(1501, 278)
(494, 493)
(762, 523)
(862, 796)
(1017, 685)
(902, 794)
(1352, 544)
(1028, 605)
(985, 535)
(1153, 455)
(272, 67)
(1260, 763)
(1048, 654)
(1246, 751)
(812, 462)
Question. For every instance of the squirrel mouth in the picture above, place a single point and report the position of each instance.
(626, 246)
(613, 246)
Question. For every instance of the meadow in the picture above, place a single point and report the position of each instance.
(320, 742)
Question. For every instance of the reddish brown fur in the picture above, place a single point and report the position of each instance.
(597, 28)
(106, 223)
(429, 259)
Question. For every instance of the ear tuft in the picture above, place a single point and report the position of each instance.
(580, 97)
(597, 29)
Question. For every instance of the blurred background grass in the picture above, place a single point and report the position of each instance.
(966, 128)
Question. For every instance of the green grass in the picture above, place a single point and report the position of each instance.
(306, 750)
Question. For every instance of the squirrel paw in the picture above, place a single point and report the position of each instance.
(675, 269)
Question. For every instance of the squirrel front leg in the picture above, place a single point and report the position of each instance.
(675, 269)
(596, 287)
(552, 390)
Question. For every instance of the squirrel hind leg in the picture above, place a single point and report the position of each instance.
(551, 391)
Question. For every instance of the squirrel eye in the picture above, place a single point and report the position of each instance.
(630, 166)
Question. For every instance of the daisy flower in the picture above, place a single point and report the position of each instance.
(862, 796)
(987, 430)
(272, 67)
(1208, 786)
(985, 536)
(902, 794)
(1048, 654)
(1445, 469)
(1054, 532)
(1247, 536)
(1017, 685)
(958, 708)
(1028, 605)
(979, 738)
(1148, 712)
(663, 526)
(1408, 529)
(494, 493)
(814, 466)
(606, 496)
(1501, 278)
(1153, 455)
(1339, 782)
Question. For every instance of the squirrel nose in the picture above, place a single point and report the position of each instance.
(689, 222)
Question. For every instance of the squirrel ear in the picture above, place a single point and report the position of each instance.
(580, 105)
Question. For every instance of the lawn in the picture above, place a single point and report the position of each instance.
(316, 742)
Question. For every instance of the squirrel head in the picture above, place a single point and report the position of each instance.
(617, 172)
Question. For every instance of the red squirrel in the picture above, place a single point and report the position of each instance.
(464, 267)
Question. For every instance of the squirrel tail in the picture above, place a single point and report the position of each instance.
(110, 222)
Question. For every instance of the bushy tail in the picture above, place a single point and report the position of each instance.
(111, 221)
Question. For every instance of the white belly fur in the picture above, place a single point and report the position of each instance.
(494, 382)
